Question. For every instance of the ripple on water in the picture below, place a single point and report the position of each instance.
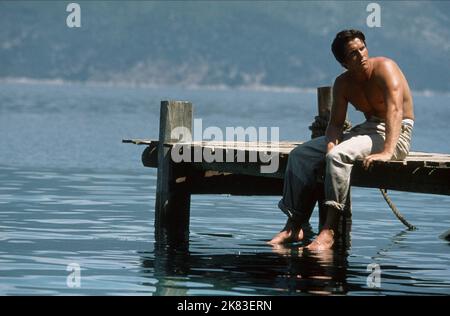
(104, 223)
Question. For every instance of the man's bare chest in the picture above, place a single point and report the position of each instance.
(366, 98)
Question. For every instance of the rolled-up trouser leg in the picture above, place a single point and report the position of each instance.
(360, 142)
(300, 179)
(339, 164)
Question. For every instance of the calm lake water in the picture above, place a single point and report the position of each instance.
(71, 195)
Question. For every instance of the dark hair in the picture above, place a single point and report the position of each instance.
(342, 38)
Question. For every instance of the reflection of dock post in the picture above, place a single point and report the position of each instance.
(318, 128)
(172, 205)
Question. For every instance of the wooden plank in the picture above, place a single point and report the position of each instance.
(420, 172)
(402, 178)
(419, 159)
(138, 141)
(211, 182)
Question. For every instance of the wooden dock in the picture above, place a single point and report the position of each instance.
(177, 181)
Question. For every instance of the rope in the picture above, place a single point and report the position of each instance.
(320, 124)
(396, 211)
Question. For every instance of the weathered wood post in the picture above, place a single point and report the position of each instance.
(173, 200)
(318, 128)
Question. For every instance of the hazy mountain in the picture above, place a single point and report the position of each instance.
(217, 42)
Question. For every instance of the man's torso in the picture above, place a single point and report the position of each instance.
(367, 96)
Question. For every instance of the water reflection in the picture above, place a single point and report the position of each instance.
(287, 271)
(50, 218)
(280, 270)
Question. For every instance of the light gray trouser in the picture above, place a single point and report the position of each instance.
(306, 160)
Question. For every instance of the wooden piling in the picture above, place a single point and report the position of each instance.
(324, 103)
(173, 200)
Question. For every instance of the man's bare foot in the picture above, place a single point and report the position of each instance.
(324, 241)
(290, 233)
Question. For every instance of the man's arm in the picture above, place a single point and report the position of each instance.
(389, 79)
(337, 115)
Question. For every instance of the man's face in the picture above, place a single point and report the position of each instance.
(356, 55)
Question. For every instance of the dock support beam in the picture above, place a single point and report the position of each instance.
(318, 128)
(173, 200)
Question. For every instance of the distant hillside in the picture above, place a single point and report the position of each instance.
(217, 43)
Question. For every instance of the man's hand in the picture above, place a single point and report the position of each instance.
(380, 157)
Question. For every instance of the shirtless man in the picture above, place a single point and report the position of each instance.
(375, 86)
